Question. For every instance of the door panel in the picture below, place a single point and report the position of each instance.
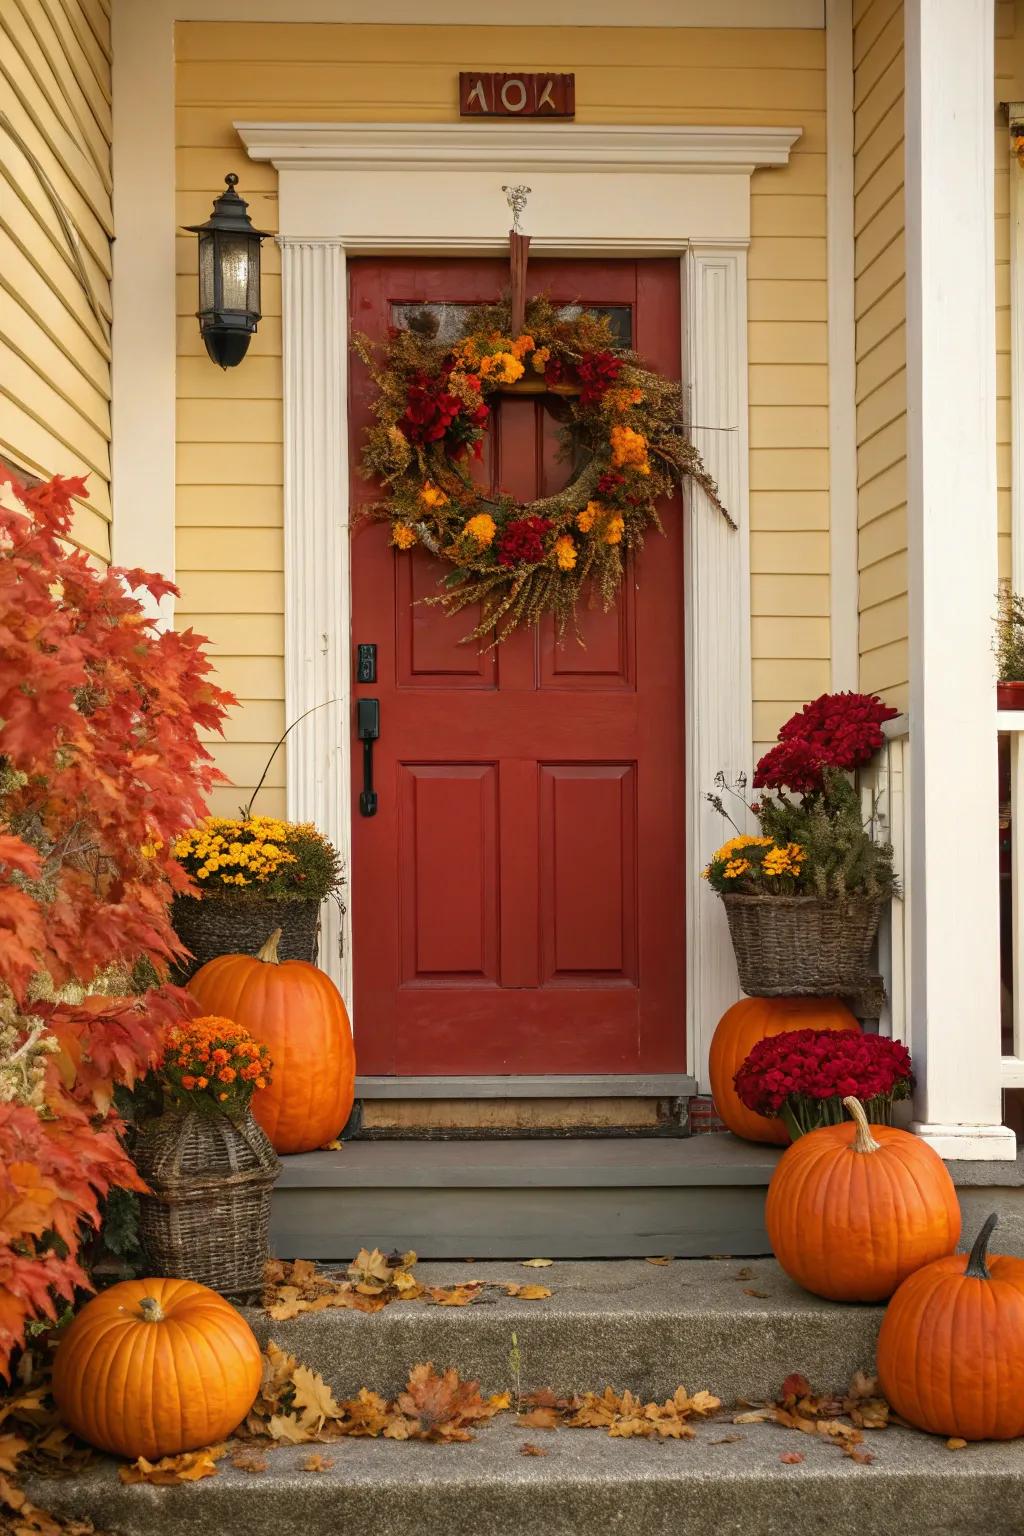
(518, 899)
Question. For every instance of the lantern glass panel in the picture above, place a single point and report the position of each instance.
(253, 304)
(206, 272)
(234, 267)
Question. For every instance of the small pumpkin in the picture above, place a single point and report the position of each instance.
(739, 1030)
(295, 1010)
(853, 1209)
(153, 1367)
(951, 1347)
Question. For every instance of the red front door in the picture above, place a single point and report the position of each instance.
(518, 900)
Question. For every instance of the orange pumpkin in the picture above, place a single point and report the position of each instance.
(853, 1209)
(298, 1013)
(951, 1348)
(153, 1367)
(739, 1030)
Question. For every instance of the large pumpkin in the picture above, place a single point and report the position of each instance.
(153, 1367)
(853, 1209)
(298, 1013)
(739, 1030)
(951, 1349)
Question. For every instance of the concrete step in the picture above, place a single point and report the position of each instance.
(577, 1198)
(735, 1328)
(585, 1483)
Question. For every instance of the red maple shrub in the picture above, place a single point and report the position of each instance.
(101, 767)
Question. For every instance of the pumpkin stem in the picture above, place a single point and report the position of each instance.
(268, 954)
(151, 1310)
(976, 1266)
(863, 1141)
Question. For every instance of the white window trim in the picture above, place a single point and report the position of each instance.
(372, 188)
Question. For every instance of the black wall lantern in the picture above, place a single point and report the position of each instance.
(229, 277)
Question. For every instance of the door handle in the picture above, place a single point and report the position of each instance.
(368, 731)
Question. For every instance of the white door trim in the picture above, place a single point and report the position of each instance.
(437, 187)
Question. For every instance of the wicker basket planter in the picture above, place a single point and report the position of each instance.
(208, 1218)
(221, 925)
(798, 946)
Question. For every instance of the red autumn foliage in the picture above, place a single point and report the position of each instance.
(100, 767)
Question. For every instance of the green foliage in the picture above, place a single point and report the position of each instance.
(1009, 643)
(843, 858)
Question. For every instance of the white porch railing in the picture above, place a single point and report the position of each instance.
(885, 785)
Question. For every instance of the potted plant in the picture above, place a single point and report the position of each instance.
(209, 1166)
(802, 1076)
(253, 875)
(1009, 648)
(804, 897)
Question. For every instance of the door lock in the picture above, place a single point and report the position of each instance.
(368, 731)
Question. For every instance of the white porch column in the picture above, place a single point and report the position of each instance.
(314, 299)
(954, 1027)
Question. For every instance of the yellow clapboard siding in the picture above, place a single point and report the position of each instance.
(883, 536)
(783, 638)
(779, 511)
(779, 596)
(870, 18)
(804, 384)
(783, 469)
(881, 406)
(229, 549)
(87, 161)
(91, 532)
(23, 332)
(878, 320)
(770, 716)
(804, 553)
(225, 800)
(34, 239)
(887, 182)
(86, 102)
(28, 441)
(886, 135)
(229, 495)
(882, 364)
(52, 95)
(229, 506)
(885, 580)
(882, 494)
(789, 426)
(241, 634)
(503, 47)
(883, 273)
(883, 671)
(884, 624)
(775, 341)
(252, 722)
(882, 451)
(37, 395)
(244, 761)
(873, 58)
(879, 232)
(231, 592)
(790, 678)
(22, 285)
(785, 300)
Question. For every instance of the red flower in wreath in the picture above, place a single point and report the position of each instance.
(597, 372)
(430, 410)
(523, 540)
(609, 482)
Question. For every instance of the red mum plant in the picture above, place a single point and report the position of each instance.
(837, 730)
(101, 766)
(430, 410)
(802, 1077)
(523, 540)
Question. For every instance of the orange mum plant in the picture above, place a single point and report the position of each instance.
(101, 767)
(214, 1063)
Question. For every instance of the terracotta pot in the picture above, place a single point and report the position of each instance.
(1010, 695)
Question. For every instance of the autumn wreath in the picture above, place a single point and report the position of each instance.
(624, 437)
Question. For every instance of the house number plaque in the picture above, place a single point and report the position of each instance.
(497, 95)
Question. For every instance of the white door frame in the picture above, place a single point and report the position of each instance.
(370, 188)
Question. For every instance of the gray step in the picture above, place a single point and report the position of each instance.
(591, 1197)
(647, 1327)
(586, 1483)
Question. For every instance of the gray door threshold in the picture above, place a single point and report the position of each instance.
(665, 1085)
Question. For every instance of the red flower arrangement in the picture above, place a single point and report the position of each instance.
(837, 730)
(523, 539)
(431, 412)
(597, 372)
(803, 1075)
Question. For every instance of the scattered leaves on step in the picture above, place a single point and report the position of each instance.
(529, 1449)
(527, 1292)
(249, 1461)
(725, 1440)
(500, 1401)
(539, 1418)
(537, 1263)
(839, 1420)
(792, 1458)
(622, 1416)
(189, 1467)
(314, 1462)
(453, 1295)
(666, 1258)
(746, 1273)
(437, 1407)
(333, 1146)
(954, 1443)
(22, 1518)
(748, 1290)
(32, 1437)
(11, 1447)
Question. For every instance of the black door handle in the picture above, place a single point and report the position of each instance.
(368, 731)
